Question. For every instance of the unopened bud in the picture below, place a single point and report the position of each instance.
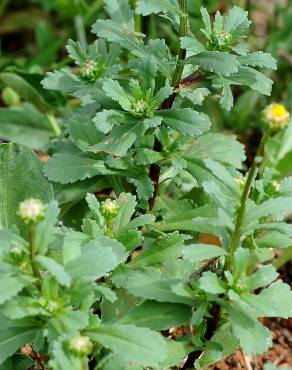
(31, 210)
(109, 208)
(81, 346)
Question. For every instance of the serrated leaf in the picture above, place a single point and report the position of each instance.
(141, 345)
(237, 23)
(252, 78)
(186, 121)
(258, 59)
(254, 338)
(275, 207)
(192, 44)
(211, 283)
(120, 139)
(98, 258)
(112, 31)
(120, 12)
(67, 168)
(62, 81)
(226, 100)
(199, 252)
(115, 91)
(83, 135)
(222, 148)
(55, 269)
(221, 63)
(206, 20)
(147, 7)
(10, 286)
(106, 119)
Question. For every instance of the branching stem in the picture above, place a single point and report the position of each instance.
(155, 169)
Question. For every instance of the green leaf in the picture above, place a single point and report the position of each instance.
(62, 81)
(115, 91)
(147, 7)
(161, 251)
(120, 139)
(206, 20)
(237, 23)
(226, 100)
(223, 336)
(68, 168)
(271, 207)
(25, 125)
(99, 257)
(192, 45)
(218, 62)
(10, 287)
(200, 252)
(258, 59)
(21, 178)
(140, 345)
(55, 269)
(222, 148)
(252, 78)
(186, 121)
(151, 284)
(85, 135)
(274, 301)
(254, 338)
(120, 12)
(106, 119)
(262, 277)
(12, 338)
(113, 31)
(211, 283)
(64, 360)
(45, 229)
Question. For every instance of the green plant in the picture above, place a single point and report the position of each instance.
(140, 180)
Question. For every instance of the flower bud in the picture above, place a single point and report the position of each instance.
(109, 208)
(31, 210)
(276, 116)
(81, 346)
(89, 70)
(140, 106)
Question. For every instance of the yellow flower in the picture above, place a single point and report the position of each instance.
(276, 116)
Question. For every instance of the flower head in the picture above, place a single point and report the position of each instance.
(89, 70)
(31, 210)
(140, 106)
(109, 208)
(276, 116)
(81, 346)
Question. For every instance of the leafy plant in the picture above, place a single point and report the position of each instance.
(158, 228)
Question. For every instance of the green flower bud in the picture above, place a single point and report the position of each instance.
(140, 107)
(89, 70)
(81, 346)
(10, 97)
(109, 208)
(31, 210)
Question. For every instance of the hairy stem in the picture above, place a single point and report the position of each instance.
(32, 252)
(155, 169)
(246, 191)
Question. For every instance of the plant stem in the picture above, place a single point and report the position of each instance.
(155, 169)
(285, 257)
(54, 124)
(246, 191)
(137, 17)
(32, 253)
